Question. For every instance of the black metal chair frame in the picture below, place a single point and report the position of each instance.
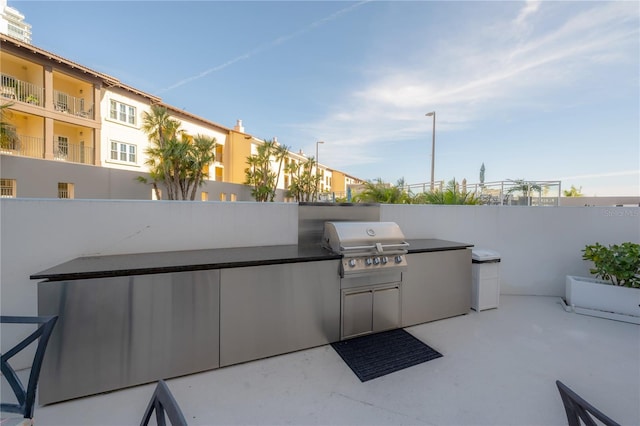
(578, 409)
(163, 402)
(26, 397)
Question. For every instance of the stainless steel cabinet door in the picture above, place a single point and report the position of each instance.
(123, 331)
(357, 315)
(370, 309)
(436, 285)
(274, 309)
(386, 308)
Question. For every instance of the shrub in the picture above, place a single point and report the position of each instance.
(619, 264)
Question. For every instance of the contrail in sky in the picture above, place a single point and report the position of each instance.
(267, 46)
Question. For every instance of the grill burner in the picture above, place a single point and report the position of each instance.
(366, 247)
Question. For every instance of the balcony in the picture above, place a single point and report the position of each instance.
(498, 368)
(66, 103)
(74, 153)
(14, 89)
(27, 146)
(22, 91)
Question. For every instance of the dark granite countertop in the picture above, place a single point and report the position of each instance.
(180, 261)
(197, 260)
(429, 244)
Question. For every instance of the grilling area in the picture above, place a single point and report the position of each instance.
(497, 367)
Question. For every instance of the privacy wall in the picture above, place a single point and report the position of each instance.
(538, 245)
(39, 234)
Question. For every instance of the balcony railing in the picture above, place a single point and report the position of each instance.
(28, 146)
(74, 153)
(508, 193)
(22, 91)
(64, 102)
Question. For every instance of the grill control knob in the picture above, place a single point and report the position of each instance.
(398, 259)
(376, 260)
(368, 261)
(352, 263)
(385, 259)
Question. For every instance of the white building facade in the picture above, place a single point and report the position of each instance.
(12, 23)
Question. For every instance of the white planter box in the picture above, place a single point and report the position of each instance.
(598, 298)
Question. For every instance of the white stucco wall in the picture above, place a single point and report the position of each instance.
(538, 245)
(37, 234)
(116, 131)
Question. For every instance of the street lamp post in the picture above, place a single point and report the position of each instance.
(433, 146)
(317, 168)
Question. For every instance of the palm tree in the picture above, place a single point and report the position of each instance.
(260, 175)
(175, 158)
(450, 195)
(280, 152)
(201, 154)
(304, 182)
(159, 125)
(162, 131)
(379, 192)
(526, 187)
(573, 192)
(8, 137)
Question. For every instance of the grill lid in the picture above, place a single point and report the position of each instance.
(358, 238)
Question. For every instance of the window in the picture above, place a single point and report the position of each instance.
(219, 150)
(122, 112)
(223, 196)
(234, 197)
(204, 196)
(123, 152)
(65, 190)
(62, 101)
(14, 31)
(62, 148)
(7, 188)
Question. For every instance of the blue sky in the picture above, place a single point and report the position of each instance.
(534, 90)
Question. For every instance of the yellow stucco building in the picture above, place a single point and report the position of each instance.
(68, 121)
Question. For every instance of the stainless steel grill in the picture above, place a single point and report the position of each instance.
(374, 255)
(366, 247)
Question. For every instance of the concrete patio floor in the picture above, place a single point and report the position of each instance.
(499, 368)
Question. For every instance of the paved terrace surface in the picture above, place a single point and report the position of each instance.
(499, 368)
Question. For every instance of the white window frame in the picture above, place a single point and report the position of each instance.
(123, 113)
(123, 150)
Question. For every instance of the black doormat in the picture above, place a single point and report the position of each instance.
(376, 355)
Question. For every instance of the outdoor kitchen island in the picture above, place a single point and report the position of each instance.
(131, 319)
